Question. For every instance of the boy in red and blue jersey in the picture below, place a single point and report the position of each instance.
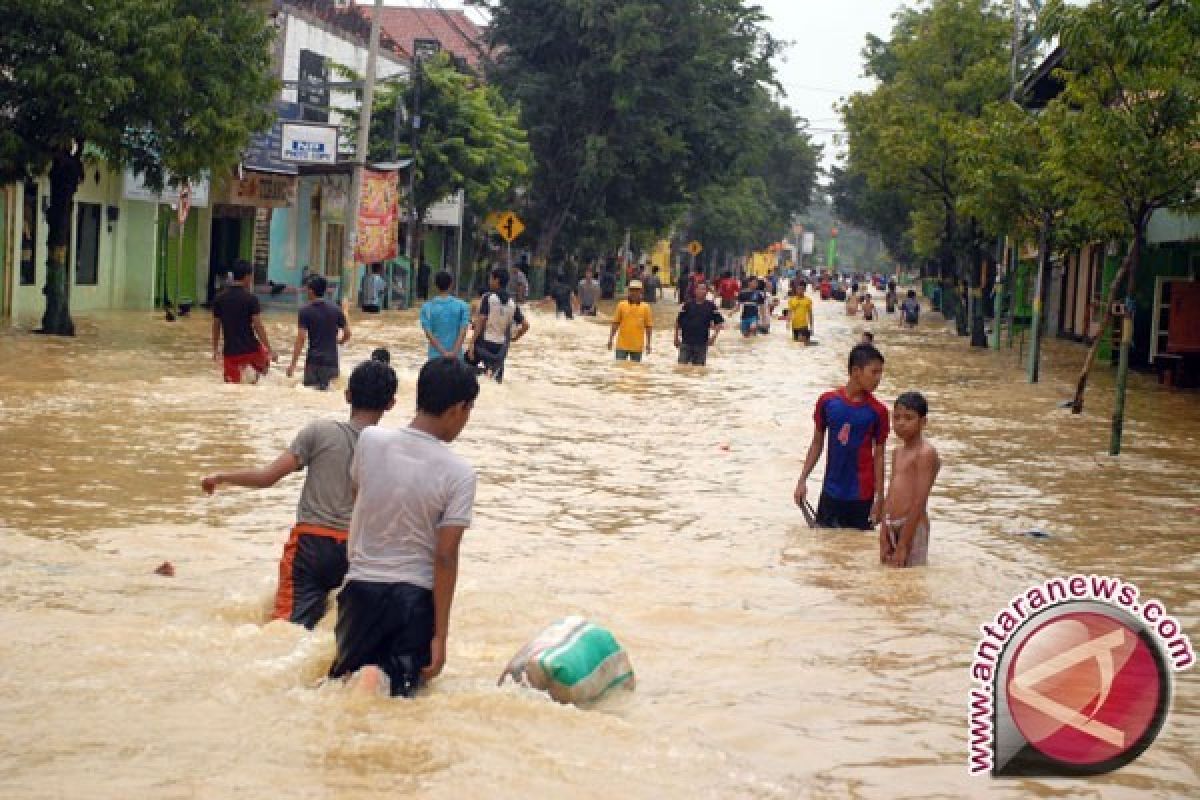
(857, 428)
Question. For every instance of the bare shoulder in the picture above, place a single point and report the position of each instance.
(928, 454)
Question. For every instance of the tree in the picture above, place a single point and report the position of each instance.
(470, 138)
(1125, 131)
(942, 65)
(157, 85)
(631, 105)
(770, 182)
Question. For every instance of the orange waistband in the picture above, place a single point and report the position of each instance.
(318, 530)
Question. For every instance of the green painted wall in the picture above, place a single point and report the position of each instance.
(246, 248)
(180, 284)
(138, 219)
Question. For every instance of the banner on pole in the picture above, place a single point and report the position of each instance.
(378, 218)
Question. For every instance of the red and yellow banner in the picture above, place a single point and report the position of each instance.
(378, 217)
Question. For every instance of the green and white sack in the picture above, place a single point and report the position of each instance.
(574, 660)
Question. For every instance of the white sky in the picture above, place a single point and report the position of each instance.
(824, 62)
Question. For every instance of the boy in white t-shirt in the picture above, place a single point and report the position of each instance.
(414, 499)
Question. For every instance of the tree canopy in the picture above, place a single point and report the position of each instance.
(631, 105)
(159, 85)
(470, 138)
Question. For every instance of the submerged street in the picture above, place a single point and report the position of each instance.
(772, 660)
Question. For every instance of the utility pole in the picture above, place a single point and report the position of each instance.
(1039, 298)
(411, 235)
(360, 157)
(1000, 287)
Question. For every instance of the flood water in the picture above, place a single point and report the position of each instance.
(773, 661)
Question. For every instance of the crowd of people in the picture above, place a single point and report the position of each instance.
(382, 512)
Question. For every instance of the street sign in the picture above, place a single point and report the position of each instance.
(694, 248)
(509, 226)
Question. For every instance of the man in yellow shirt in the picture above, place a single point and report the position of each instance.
(632, 322)
(800, 312)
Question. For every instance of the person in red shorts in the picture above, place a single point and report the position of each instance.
(314, 558)
(237, 316)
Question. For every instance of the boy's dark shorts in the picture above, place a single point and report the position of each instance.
(587, 311)
(389, 625)
(694, 354)
(313, 565)
(319, 376)
(834, 513)
(801, 333)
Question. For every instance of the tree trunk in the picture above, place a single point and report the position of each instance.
(1039, 298)
(1118, 418)
(978, 267)
(1081, 384)
(66, 173)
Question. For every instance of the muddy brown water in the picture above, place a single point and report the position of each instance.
(772, 661)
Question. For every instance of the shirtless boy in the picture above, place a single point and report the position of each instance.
(904, 533)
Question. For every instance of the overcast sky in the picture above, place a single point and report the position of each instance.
(824, 61)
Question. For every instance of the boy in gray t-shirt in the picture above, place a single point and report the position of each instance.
(414, 502)
(314, 558)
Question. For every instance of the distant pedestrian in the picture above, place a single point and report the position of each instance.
(237, 317)
(910, 310)
(727, 289)
(852, 301)
(588, 292)
(856, 425)
(890, 299)
(653, 286)
(518, 281)
(325, 327)
(868, 308)
(560, 293)
(800, 313)
(696, 328)
(751, 300)
(498, 313)
(766, 307)
(445, 320)
(634, 322)
(374, 289)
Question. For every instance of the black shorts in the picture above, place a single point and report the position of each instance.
(319, 376)
(834, 513)
(371, 309)
(801, 333)
(490, 356)
(587, 311)
(389, 625)
(694, 354)
(313, 565)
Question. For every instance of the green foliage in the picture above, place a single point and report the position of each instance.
(631, 105)
(769, 183)
(470, 138)
(1125, 128)
(160, 85)
(943, 64)
(175, 85)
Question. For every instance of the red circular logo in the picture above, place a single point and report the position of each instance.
(1084, 689)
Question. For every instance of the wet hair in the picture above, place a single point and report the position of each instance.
(372, 386)
(914, 401)
(241, 268)
(443, 384)
(912, 292)
(802, 284)
(443, 280)
(863, 355)
(381, 354)
(377, 268)
(868, 336)
(854, 287)
(317, 285)
(501, 276)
